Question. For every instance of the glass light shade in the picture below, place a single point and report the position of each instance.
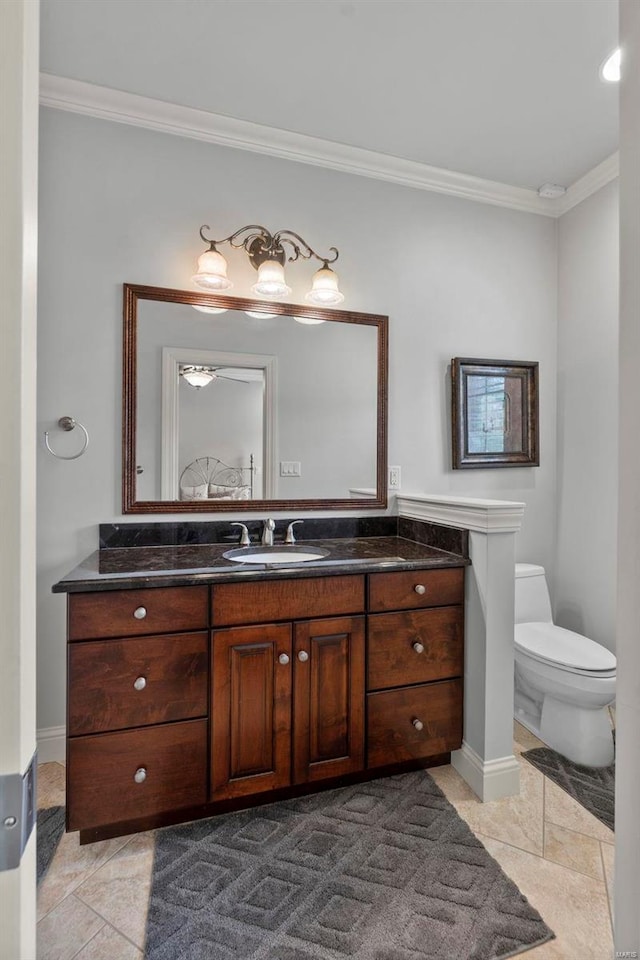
(309, 320)
(610, 69)
(324, 288)
(196, 306)
(260, 316)
(270, 282)
(212, 271)
(198, 376)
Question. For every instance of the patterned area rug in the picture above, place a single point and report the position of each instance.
(379, 871)
(49, 829)
(593, 787)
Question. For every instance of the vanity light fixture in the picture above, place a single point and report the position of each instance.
(309, 320)
(260, 316)
(197, 306)
(610, 69)
(266, 252)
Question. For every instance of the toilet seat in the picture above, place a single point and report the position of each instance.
(564, 649)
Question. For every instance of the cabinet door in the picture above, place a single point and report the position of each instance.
(328, 698)
(251, 710)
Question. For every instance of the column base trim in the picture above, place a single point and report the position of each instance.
(489, 779)
(52, 747)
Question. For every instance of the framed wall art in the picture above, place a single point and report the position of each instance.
(494, 413)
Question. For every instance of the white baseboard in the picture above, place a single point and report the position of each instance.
(489, 779)
(52, 745)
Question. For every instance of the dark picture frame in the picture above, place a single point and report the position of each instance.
(494, 413)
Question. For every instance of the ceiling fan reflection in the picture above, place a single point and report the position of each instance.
(200, 376)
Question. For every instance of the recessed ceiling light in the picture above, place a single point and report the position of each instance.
(610, 69)
(260, 316)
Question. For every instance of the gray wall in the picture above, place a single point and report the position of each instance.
(119, 203)
(585, 575)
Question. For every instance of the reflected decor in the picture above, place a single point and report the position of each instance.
(494, 413)
(266, 252)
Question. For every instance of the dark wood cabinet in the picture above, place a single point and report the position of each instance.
(287, 704)
(328, 701)
(251, 710)
(185, 701)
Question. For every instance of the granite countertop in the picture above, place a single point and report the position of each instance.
(129, 567)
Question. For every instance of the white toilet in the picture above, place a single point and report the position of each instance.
(563, 681)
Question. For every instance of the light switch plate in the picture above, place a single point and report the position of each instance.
(290, 468)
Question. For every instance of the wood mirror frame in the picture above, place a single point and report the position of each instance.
(133, 293)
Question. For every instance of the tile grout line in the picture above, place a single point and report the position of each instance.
(90, 940)
(541, 857)
(84, 877)
(92, 936)
(609, 892)
(580, 832)
(117, 929)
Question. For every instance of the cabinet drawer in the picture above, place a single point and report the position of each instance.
(392, 716)
(101, 772)
(414, 647)
(124, 613)
(402, 591)
(238, 603)
(131, 683)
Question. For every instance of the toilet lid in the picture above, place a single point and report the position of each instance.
(552, 644)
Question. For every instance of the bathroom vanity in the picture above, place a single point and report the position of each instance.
(196, 687)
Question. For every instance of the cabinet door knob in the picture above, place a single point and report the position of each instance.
(283, 659)
(140, 613)
(418, 647)
(140, 683)
(420, 588)
(303, 656)
(418, 724)
(140, 775)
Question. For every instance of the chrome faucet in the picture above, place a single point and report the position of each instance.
(267, 532)
(245, 540)
(290, 537)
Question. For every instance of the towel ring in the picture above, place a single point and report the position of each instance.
(67, 424)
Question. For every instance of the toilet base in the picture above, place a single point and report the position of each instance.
(580, 734)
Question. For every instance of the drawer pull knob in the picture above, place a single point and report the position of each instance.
(140, 775)
(140, 683)
(303, 656)
(283, 659)
(418, 647)
(418, 724)
(420, 589)
(141, 612)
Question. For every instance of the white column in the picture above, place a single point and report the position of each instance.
(627, 875)
(486, 760)
(18, 240)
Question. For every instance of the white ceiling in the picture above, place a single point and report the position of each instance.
(507, 90)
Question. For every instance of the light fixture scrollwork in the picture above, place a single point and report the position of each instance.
(266, 252)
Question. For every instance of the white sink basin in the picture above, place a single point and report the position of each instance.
(279, 554)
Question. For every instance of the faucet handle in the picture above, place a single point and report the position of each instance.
(290, 538)
(245, 540)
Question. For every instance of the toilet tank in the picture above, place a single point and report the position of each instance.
(532, 594)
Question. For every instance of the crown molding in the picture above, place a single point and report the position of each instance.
(471, 513)
(105, 103)
(590, 183)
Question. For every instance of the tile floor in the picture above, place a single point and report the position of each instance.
(92, 904)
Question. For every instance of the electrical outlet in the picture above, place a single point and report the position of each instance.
(395, 478)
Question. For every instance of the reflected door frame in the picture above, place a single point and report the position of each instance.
(172, 358)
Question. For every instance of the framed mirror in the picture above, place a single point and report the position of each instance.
(232, 404)
(494, 413)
